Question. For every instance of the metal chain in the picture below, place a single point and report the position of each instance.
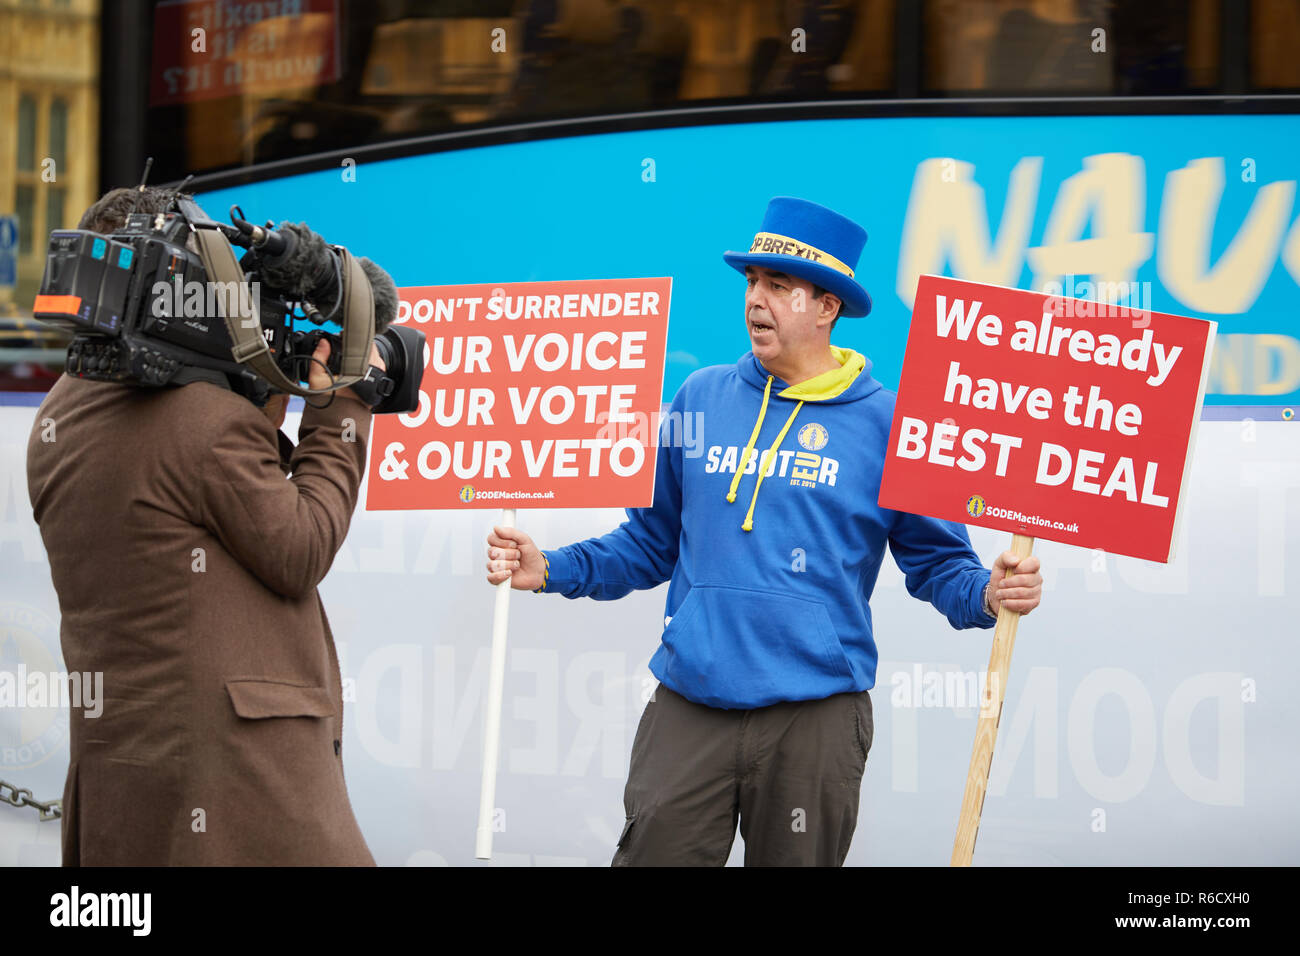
(17, 797)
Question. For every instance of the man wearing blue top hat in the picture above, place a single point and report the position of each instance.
(762, 715)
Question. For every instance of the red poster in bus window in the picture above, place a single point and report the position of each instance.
(208, 49)
(535, 394)
(1052, 417)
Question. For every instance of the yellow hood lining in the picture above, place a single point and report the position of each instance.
(819, 388)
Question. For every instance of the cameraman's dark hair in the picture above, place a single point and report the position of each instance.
(109, 212)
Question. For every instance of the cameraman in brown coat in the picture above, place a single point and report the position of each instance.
(186, 537)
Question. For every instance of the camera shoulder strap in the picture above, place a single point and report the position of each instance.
(358, 318)
(249, 348)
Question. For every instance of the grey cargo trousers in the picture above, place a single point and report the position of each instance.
(789, 773)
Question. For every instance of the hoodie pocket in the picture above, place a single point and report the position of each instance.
(741, 647)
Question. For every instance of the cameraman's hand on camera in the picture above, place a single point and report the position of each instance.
(275, 408)
(319, 376)
(512, 554)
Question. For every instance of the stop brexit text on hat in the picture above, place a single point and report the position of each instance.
(1045, 416)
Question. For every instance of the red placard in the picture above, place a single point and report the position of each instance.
(1051, 417)
(535, 394)
(207, 49)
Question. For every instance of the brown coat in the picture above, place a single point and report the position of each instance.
(219, 741)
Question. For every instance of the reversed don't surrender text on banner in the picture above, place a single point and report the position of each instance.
(535, 394)
(1052, 417)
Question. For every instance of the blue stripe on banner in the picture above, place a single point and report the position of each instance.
(1209, 413)
(34, 399)
(1258, 413)
(29, 399)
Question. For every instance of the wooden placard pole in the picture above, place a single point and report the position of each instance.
(986, 731)
(492, 717)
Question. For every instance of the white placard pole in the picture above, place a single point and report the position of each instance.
(492, 719)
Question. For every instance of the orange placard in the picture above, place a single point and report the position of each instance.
(535, 394)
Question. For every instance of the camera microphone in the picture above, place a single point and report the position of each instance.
(307, 268)
(264, 241)
(300, 265)
(304, 267)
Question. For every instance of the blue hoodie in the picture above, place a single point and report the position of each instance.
(771, 575)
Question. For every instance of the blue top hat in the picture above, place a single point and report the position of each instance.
(809, 242)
